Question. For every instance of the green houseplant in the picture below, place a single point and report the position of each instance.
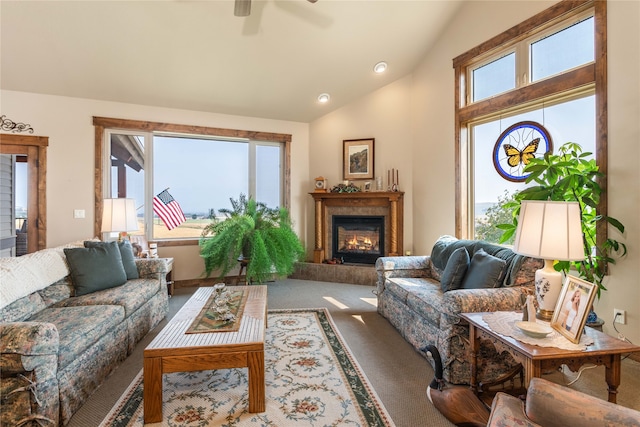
(572, 176)
(253, 231)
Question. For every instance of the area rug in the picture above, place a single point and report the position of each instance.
(311, 380)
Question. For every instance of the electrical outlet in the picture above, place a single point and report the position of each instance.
(619, 316)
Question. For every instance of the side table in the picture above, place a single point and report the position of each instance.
(605, 350)
(169, 278)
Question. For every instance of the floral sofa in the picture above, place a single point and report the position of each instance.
(422, 296)
(58, 341)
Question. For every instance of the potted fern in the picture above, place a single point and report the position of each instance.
(571, 176)
(251, 231)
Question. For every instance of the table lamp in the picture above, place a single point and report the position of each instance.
(551, 231)
(119, 215)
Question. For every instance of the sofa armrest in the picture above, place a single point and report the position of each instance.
(551, 405)
(28, 346)
(480, 300)
(401, 266)
(507, 410)
(151, 268)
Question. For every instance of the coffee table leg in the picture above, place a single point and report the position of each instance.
(256, 381)
(152, 389)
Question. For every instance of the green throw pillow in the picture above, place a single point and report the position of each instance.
(455, 270)
(485, 271)
(95, 269)
(126, 253)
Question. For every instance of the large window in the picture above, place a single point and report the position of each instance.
(551, 74)
(200, 171)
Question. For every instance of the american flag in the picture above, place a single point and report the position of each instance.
(169, 211)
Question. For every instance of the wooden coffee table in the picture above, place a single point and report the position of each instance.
(174, 351)
(605, 350)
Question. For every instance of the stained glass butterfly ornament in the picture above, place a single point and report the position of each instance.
(516, 146)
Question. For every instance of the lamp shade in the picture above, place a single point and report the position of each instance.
(549, 230)
(119, 215)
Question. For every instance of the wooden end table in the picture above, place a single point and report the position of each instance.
(174, 351)
(605, 350)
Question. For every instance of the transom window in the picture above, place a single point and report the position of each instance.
(551, 74)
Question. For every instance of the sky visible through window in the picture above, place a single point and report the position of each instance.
(572, 121)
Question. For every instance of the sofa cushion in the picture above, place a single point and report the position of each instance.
(79, 327)
(485, 271)
(126, 253)
(94, 269)
(454, 272)
(131, 296)
(420, 294)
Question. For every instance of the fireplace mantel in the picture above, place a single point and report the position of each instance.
(390, 204)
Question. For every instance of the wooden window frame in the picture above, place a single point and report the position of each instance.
(103, 123)
(594, 73)
(35, 148)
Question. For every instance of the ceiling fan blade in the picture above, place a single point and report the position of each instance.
(242, 8)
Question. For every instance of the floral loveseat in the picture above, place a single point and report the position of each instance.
(64, 327)
(422, 296)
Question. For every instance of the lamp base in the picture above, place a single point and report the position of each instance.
(548, 287)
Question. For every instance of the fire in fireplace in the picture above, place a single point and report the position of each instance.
(358, 239)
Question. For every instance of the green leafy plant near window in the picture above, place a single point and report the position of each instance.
(571, 176)
(251, 230)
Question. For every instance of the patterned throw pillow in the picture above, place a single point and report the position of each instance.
(455, 270)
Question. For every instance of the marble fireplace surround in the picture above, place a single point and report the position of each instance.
(379, 203)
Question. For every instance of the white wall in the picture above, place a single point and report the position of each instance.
(70, 160)
(383, 115)
(423, 114)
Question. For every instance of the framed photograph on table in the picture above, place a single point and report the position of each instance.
(572, 308)
(358, 158)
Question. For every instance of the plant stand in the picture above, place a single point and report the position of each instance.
(243, 268)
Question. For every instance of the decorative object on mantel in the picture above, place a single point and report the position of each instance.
(13, 127)
(349, 188)
(358, 158)
(321, 184)
(393, 179)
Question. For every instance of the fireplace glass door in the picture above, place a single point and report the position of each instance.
(358, 239)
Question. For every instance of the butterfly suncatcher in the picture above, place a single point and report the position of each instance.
(515, 156)
(520, 143)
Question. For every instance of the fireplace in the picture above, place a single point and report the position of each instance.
(358, 239)
(387, 205)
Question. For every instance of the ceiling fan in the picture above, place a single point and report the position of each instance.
(243, 7)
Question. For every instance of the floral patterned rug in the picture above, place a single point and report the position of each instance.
(311, 380)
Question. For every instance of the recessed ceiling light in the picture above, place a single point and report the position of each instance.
(323, 98)
(380, 67)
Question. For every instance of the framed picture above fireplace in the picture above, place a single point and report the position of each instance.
(358, 158)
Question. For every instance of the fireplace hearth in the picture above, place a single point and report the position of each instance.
(358, 239)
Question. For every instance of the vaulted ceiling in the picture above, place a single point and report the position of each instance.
(197, 55)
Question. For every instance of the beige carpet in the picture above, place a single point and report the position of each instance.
(398, 374)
